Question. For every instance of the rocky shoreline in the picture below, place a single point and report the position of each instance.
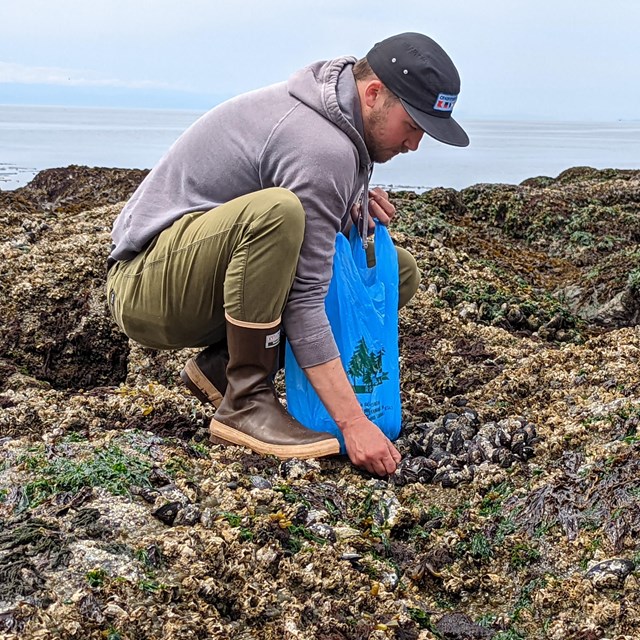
(516, 511)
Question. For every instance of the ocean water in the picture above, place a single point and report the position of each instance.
(35, 138)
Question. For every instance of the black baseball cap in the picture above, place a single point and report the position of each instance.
(417, 70)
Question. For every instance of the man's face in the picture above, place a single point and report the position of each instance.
(389, 130)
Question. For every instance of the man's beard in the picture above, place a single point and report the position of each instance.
(376, 152)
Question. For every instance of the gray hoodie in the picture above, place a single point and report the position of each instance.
(305, 135)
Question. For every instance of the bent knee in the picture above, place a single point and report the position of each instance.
(285, 208)
(409, 276)
(286, 201)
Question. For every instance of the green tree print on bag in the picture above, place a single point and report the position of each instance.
(366, 366)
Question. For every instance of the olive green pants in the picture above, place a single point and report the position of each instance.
(239, 258)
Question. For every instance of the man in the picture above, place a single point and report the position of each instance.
(231, 236)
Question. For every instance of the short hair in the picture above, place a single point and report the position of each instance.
(362, 72)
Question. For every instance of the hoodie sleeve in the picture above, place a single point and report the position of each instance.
(312, 157)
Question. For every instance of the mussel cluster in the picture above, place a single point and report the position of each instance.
(450, 449)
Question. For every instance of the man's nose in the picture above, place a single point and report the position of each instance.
(413, 141)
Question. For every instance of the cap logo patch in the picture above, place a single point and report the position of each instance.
(445, 102)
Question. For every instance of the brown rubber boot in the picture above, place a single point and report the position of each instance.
(206, 374)
(250, 415)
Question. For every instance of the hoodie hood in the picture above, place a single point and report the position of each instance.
(329, 88)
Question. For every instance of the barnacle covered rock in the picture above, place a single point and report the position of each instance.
(513, 512)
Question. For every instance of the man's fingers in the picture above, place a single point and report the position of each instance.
(375, 454)
(379, 192)
(384, 467)
(380, 207)
(395, 454)
(390, 461)
(385, 205)
(378, 212)
(389, 465)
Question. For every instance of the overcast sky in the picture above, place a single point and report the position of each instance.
(541, 59)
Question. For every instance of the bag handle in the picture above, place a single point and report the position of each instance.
(386, 268)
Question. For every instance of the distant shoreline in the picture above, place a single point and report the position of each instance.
(504, 152)
(14, 177)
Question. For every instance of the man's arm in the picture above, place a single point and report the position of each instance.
(366, 445)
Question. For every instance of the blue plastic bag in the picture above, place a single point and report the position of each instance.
(362, 307)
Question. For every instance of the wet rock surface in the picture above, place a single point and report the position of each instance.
(515, 512)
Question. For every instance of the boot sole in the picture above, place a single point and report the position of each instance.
(222, 434)
(199, 385)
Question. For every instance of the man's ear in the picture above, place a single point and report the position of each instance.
(372, 92)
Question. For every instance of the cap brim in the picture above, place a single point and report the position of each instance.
(445, 130)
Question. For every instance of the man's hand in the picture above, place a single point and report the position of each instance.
(368, 448)
(366, 445)
(380, 207)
